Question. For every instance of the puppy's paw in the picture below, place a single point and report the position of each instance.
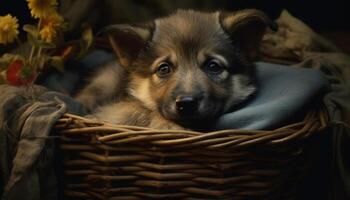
(88, 101)
(165, 125)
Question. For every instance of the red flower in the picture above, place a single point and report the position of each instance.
(67, 52)
(18, 74)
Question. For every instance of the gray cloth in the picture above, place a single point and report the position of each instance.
(27, 115)
(283, 94)
(336, 67)
(292, 39)
(297, 42)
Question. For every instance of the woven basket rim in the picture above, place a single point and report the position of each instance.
(69, 124)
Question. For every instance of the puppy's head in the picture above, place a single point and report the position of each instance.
(191, 66)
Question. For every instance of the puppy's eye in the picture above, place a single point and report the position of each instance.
(163, 69)
(214, 67)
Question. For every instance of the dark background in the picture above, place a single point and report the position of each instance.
(330, 18)
(323, 15)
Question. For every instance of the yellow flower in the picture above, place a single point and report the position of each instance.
(51, 26)
(42, 8)
(8, 29)
(48, 34)
(54, 20)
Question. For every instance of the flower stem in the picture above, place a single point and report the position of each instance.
(31, 54)
(38, 56)
(39, 24)
(39, 52)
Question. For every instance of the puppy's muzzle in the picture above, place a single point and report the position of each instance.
(187, 105)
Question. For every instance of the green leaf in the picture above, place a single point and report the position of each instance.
(87, 35)
(31, 30)
(86, 39)
(7, 58)
(46, 45)
(3, 77)
(26, 72)
(3, 66)
(39, 43)
(32, 40)
(57, 62)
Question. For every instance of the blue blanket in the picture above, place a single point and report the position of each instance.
(285, 93)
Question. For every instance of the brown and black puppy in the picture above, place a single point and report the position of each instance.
(177, 71)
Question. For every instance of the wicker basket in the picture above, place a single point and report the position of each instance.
(104, 161)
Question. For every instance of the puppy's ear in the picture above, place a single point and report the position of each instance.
(127, 40)
(246, 29)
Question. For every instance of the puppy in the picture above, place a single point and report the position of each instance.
(178, 72)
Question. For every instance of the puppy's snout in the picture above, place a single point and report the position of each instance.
(186, 105)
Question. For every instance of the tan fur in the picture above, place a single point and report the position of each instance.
(108, 84)
(186, 41)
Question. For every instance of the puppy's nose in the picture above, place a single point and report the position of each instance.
(186, 105)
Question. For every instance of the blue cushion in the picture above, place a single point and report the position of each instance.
(285, 95)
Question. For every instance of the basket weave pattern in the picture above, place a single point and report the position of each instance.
(104, 161)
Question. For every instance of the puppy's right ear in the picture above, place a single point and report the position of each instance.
(246, 29)
(127, 40)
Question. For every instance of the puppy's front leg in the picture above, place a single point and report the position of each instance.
(109, 83)
(159, 122)
(131, 112)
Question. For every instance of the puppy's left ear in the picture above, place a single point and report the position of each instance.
(128, 40)
(246, 29)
